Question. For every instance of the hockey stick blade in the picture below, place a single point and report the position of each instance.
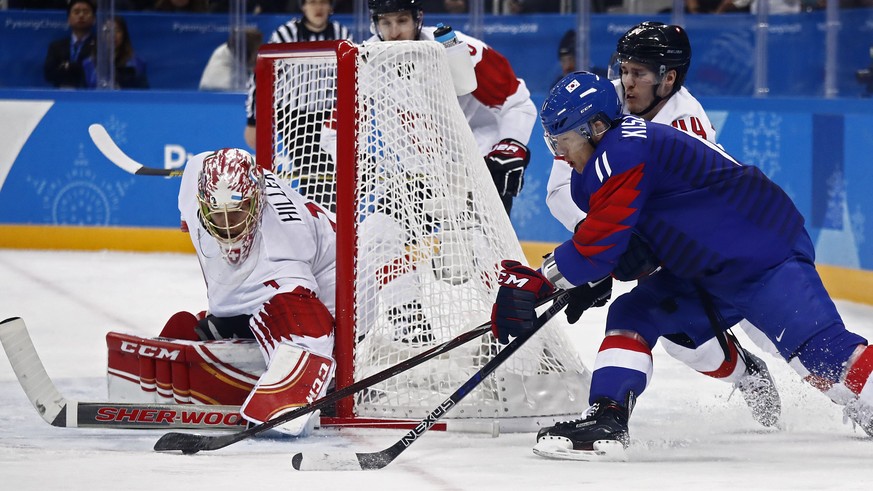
(59, 411)
(191, 443)
(188, 443)
(377, 460)
(110, 150)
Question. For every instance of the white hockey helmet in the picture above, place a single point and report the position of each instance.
(230, 193)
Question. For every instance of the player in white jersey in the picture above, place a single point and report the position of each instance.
(268, 257)
(501, 116)
(649, 68)
(644, 93)
(499, 111)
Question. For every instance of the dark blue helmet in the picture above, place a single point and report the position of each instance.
(379, 7)
(575, 103)
(389, 6)
(657, 45)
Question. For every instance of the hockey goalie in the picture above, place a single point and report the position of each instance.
(268, 258)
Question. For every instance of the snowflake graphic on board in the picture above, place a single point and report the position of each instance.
(80, 197)
(836, 191)
(116, 128)
(762, 141)
(838, 206)
(858, 219)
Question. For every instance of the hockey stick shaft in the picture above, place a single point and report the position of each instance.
(110, 150)
(59, 411)
(146, 416)
(189, 443)
(378, 460)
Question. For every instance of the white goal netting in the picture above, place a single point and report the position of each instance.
(379, 137)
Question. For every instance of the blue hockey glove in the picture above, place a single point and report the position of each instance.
(520, 289)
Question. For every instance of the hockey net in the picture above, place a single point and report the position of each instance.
(421, 229)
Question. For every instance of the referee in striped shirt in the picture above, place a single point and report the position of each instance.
(302, 111)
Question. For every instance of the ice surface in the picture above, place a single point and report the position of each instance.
(685, 432)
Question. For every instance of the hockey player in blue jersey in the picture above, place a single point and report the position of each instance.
(648, 71)
(725, 243)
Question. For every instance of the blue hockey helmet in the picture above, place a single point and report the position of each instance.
(575, 103)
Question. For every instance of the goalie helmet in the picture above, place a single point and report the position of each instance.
(379, 7)
(657, 45)
(230, 194)
(575, 103)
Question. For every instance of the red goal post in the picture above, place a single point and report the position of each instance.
(375, 132)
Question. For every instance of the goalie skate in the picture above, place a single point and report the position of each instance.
(601, 434)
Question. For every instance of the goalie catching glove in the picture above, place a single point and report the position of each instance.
(522, 287)
(507, 161)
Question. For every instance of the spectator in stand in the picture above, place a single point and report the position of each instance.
(702, 6)
(567, 54)
(192, 6)
(63, 61)
(773, 6)
(38, 4)
(130, 69)
(254, 7)
(219, 71)
(531, 6)
(455, 6)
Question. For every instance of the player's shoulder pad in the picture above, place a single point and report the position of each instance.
(477, 46)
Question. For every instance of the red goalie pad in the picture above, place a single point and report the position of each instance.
(296, 377)
(181, 371)
(287, 315)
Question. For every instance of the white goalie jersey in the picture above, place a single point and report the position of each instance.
(295, 245)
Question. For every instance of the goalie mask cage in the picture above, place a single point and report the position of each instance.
(420, 229)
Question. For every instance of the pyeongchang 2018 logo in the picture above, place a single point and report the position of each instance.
(81, 196)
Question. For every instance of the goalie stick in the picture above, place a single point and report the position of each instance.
(110, 150)
(346, 460)
(59, 411)
(189, 443)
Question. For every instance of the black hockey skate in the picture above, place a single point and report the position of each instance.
(600, 434)
(759, 391)
(410, 324)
